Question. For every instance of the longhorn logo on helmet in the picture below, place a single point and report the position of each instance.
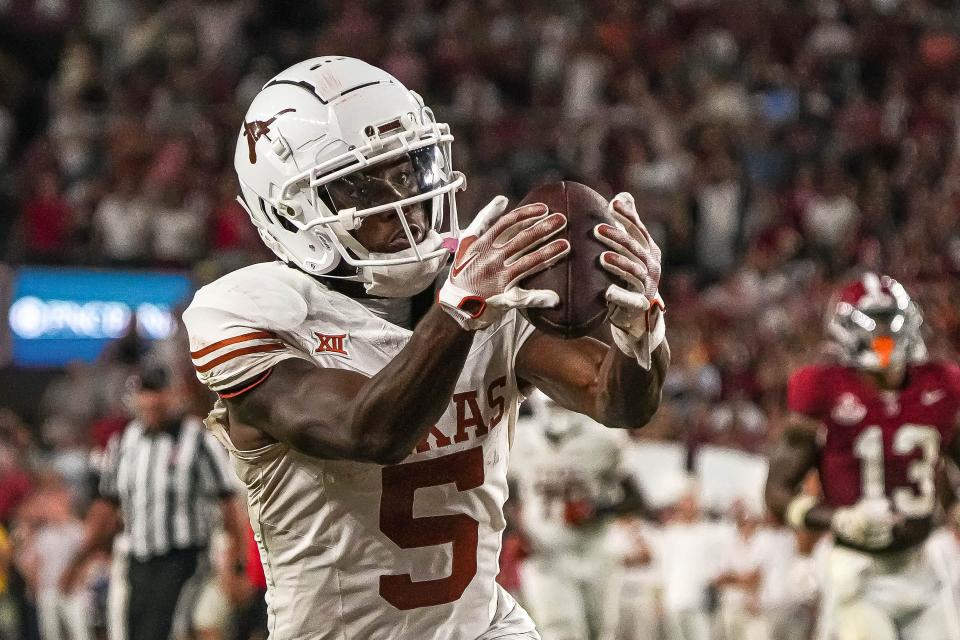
(258, 129)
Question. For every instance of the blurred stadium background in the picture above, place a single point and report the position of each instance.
(775, 147)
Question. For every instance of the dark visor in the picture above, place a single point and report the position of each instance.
(408, 175)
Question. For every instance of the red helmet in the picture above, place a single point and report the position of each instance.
(876, 324)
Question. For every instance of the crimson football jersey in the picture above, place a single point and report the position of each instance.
(877, 442)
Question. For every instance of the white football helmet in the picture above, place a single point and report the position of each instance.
(556, 422)
(876, 324)
(330, 119)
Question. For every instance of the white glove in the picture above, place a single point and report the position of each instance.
(636, 314)
(495, 252)
(867, 524)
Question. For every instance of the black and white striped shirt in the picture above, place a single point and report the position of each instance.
(167, 484)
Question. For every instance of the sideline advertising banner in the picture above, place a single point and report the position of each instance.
(55, 315)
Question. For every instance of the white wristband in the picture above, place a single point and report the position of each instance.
(642, 348)
(798, 509)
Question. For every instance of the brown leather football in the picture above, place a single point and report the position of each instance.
(578, 279)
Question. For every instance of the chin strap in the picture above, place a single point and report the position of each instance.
(404, 280)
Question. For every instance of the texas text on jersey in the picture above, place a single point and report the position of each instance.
(421, 568)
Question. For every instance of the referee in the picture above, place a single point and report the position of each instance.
(163, 477)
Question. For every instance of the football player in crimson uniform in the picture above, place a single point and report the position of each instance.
(369, 415)
(874, 425)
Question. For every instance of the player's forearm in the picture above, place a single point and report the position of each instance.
(397, 407)
(102, 524)
(780, 493)
(629, 395)
(345, 415)
(819, 517)
(790, 463)
(777, 494)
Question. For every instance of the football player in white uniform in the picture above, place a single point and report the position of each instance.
(370, 417)
(571, 485)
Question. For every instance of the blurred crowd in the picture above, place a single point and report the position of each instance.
(775, 148)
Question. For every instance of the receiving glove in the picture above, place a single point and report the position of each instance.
(495, 252)
(867, 524)
(636, 313)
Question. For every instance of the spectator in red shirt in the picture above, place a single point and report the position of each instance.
(46, 221)
(229, 227)
(15, 484)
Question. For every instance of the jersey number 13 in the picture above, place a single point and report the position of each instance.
(913, 502)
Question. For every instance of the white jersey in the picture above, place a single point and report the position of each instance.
(355, 550)
(560, 481)
(686, 556)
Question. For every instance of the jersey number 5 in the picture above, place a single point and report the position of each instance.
(869, 448)
(400, 483)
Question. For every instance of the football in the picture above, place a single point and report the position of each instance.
(578, 279)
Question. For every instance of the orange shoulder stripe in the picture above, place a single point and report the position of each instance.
(236, 353)
(246, 337)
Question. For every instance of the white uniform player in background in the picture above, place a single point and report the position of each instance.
(739, 581)
(686, 554)
(658, 469)
(639, 616)
(369, 416)
(781, 607)
(568, 473)
(758, 599)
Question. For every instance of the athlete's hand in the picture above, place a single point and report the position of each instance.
(868, 524)
(636, 313)
(496, 251)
